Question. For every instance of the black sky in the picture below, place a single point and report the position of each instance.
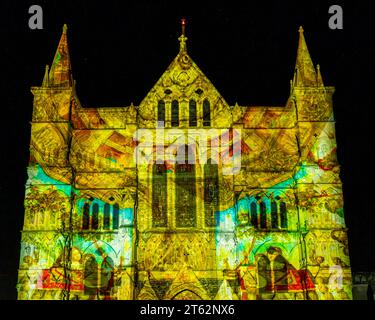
(119, 49)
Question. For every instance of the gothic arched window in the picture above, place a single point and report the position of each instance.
(263, 215)
(106, 219)
(95, 216)
(159, 195)
(86, 217)
(115, 216)
(161, 112)
(185, 200)
(192, 113)
(206, 113)
(274, 218)
(175, 114)
(211, 192)
(254, 214)
(283, 215)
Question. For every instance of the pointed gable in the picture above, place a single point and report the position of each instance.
(183, 81)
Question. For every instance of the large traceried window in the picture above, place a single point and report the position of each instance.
(175, 114)
(192, 113)
(206, 113)
(159, 195)
(185, 199)
(211, 192)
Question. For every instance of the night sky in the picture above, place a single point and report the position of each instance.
(119, 49)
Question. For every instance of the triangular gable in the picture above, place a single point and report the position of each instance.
(183, 80)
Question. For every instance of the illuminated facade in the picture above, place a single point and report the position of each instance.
(100, 225)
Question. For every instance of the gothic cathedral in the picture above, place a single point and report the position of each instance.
(183, 196)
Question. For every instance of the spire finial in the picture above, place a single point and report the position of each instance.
(300, 30)
(46, 77)
(65, 28)
(319, 78)
(183, 24)
(182, 38)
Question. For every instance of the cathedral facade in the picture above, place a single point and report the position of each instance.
(183, 196)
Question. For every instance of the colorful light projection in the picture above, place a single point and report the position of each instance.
(100, 226)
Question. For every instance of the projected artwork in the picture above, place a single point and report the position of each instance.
(247, 205)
